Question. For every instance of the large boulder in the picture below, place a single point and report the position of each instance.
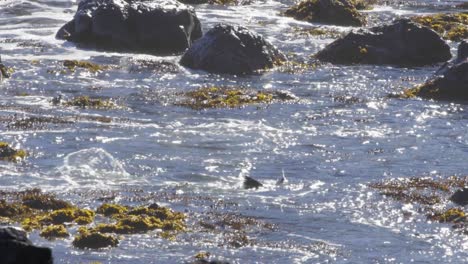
(335, 12)
(233, 50)
(156, 27)
(15, 247)
(451, 82)
(402, 43)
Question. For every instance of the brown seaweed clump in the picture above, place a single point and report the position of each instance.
(8, 153)
(452, 215)
(35, 199)
(450, 26)
(430, 194)
(93, 240)
(111, 209)
(88, 102)
(143, 219)
(70, 66)
(228, 97)
(54, 231)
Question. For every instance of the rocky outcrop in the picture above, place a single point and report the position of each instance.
(335, 12)
(402, 43)
(452, 82)
(156, 27)
(15, 247)
(233, 50)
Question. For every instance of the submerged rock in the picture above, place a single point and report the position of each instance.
(452, 85)
(251, 183)
(460, 197)
(233, 50)
(402, 43)
(156, 27)
(335, 12)
(15, 247)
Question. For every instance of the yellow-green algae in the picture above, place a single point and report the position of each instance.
(70, 66)
(36, 199)
(88, 102)
(8, 153)
(93, 240)
(224, 97)
(451, 215)
(54, 231)
(451, 26)
(317, 31)
(111, 209)
(144, 219)
(431, 90)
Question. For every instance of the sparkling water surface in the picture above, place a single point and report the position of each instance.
(343, 133)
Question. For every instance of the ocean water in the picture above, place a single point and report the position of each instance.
(342, 134)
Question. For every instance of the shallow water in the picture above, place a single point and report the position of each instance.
(342, 134)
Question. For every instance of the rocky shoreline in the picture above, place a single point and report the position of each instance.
(234, 50)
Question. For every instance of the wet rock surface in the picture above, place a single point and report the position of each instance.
(335, 12)
(402, 43)
(124, 25)
(15, 248)
(452, 82)
(233, 50)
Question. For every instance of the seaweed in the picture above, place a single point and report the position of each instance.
(428, 193)
(35, 199)
(452, 215)
(93, 240)
(451, 26)
(228, 97)
(87, 102)
(111, 209)
(8, 153)
(54, 231)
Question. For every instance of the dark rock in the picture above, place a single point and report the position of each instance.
(460, 197)
(451, 85)
(402, 43)
(335, 12)
(157, 27)
(231, 49)
(251, 183)
(462, 54)
(16, 248)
